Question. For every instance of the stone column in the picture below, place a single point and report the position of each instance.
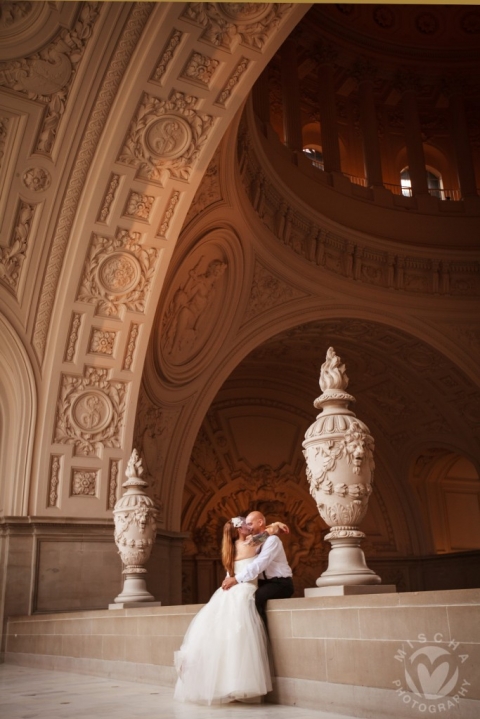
(408, 84)
(292, 119)
(461, 142)
(364, 72)
(261, 99)
(328, 110)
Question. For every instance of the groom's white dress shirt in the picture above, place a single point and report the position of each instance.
(271, 560)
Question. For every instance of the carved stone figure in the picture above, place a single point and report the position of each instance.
(189, 304)
(338, 449)
(135, 516)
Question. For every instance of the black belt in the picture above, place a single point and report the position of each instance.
(276, 579)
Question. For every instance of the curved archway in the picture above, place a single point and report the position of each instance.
(18, 409)
(448, 486)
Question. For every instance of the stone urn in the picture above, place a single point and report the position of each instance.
(135, 516)
(338, 449)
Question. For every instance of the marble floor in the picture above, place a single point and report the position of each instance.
(30, 693)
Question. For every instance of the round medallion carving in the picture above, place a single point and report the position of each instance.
(169, 137)
(92, 411)
(36, 179)
(384, 16)
(119, 273)
(426, 23)
(470, 22)
(243, 12)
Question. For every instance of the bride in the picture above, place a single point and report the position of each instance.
(223, 657)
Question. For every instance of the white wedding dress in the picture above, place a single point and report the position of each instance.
(224, 652)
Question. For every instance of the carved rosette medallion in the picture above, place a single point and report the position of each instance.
(118, 274)
(250, 24)
(338, 450)
(37, 179)
(90, 412)
(166, 137)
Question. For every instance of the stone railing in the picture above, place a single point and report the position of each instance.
(357, 232)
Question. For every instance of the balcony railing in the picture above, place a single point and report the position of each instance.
(440, 194)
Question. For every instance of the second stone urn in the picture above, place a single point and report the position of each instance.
(135, 516)
(338, 449)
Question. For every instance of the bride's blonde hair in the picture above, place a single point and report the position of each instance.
(230, 534)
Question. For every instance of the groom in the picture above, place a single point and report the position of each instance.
(270, 566)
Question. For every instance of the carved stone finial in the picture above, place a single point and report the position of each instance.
(332, 373)
(134, 471)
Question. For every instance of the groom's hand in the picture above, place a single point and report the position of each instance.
(229, 582)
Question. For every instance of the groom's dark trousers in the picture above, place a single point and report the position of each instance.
(275, 588)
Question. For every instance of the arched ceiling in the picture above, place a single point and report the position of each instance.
(407, 391)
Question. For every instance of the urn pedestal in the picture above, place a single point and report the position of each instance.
(135, 516)
(338, 449)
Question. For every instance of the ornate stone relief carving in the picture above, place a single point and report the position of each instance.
(139, 206)
(154, 427)
(37, 179)
(209, 190)
(166, 136)
(84, 483)
(169, 212)
(13, 257)
(251, 24)
(267, 291)
(73, 337)
(113, 483)
(54, 481)
(4, 121)
(188, 316)
(200, 69)
(125, 47)
(233, 80)
(46, 76)
(102, 342)
(118, 274)
(339, 255)
(131, 344)
(109, 198)
(167, 55)
(90, 412)
(12, 13)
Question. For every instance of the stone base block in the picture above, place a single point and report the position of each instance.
(134, 605)
(344, 590)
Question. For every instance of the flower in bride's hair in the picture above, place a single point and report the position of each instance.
(238, 522)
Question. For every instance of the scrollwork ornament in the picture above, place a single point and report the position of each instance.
(13, 257)
(90, 412)
(166, 137)
(46, 76)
